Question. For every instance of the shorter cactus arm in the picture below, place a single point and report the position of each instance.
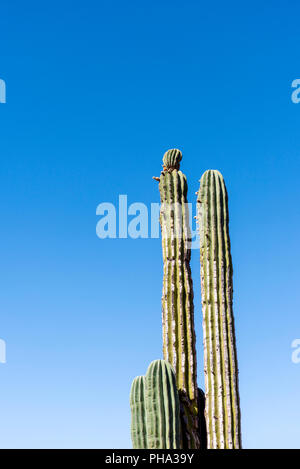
(138, 416)
(162, 407)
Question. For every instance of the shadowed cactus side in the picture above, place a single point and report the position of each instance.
(155, 409)
(220, 357)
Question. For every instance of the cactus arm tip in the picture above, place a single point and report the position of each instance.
(171, 159)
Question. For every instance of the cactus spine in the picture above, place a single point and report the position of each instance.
(220, 358)
(177, 297)
(155, 409)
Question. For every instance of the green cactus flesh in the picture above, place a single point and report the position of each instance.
(177, 297)
(220, 360)
(162, 407)
(155, 409)
(138, 416)
(172, 158)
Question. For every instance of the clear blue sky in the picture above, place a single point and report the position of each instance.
(96, 92)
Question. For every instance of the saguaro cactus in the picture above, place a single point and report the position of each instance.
(155, 408)
(220, 358)
(177, 297)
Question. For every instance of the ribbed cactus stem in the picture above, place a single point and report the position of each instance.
(220, 357)
(162, 407)
(138, 413)
(177, 297)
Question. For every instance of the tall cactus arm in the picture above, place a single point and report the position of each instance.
(177, 298)
(138, 415)
(162, 407)
(220, 357)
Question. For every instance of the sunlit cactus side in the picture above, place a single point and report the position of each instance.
(162, 407)
(177, 296)
(155, 409)
(138, 413)
(220, 358)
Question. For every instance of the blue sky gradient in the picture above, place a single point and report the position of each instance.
(97, 91)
